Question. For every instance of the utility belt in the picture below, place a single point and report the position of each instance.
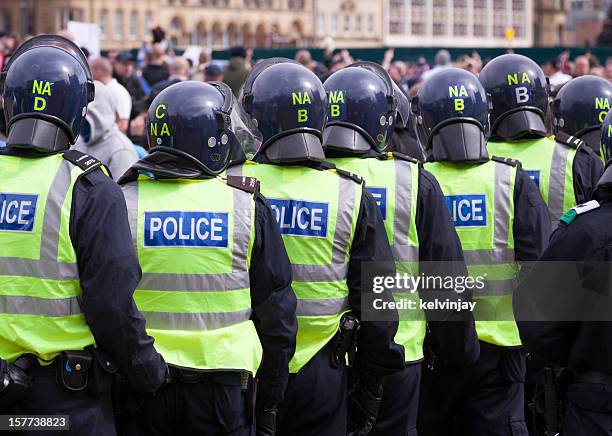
(88, 370)
(189, 376)
(345, 341)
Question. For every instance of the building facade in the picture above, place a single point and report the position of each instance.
(549, 22)
(458, 23)
(127, 23)
(585, 21)
(350, 23)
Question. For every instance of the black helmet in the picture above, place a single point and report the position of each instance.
(519, 95)
(287, 102)
(606, 137)
(581, 106)
(452, 114)
(201, 122)
(46, 85)
(362, 109)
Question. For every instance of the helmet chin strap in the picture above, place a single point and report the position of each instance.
(37, 134)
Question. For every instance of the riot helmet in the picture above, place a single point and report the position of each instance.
(606, 137)
(201, 123)
(46, 86)
(580, 107)
(287, 102)
(403, 107)
(452, 116)
(362, 109)
(519, 96)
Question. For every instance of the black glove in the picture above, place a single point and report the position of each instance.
(15, 384)
(364, 402)
(265, 420)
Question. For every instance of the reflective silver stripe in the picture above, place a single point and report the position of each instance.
(194, 321)
(556, 183)
(20, 305)
(130, 192)
(405, 253)
(194, 282)
(502, 204)
(488, 257)
(320, 273)
(53, 211)
(344, 219)
(402, 251)
(403, 202)
(45, 269)
(323, 307)
(496, 288)
(242, 231)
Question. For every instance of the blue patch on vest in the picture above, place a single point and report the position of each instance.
(300, 218)
(535, 176)
(468, 210)
(185, 229)
(380, 196)
(17, 212)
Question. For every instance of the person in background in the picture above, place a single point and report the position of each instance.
(124, 72)
(204, 60)
(155, 70)
(213, 73)
(442, 60)
(101, 138)
(557, 77)
(102, 71)
(582, 66)
(237, 70)
(179, 72)
(608, 70)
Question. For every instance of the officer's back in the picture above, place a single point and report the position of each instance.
(67, 317)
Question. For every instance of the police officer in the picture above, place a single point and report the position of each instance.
(331, 226)
(216, 285)
(580, 107)
(502, 222)
(404, 138)
(606, 137)
(67, 316)
(359, 122)
(568, 292)
(564, 169)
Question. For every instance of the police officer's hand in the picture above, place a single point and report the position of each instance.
(15, 384)
(265, 420)
(364, 402)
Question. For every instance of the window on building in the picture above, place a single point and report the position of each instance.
(104, 22)
(439, 28)
(417, 28)
(200, 2)
(63, 16)
(334, 24)
(459, 3)
(499, 4)
(118, 32)
(480, 4)
(296, 4)
(418, 2)
(459, 29)
(397, 17)
(518, 5)
(133, 24)
(371, 23)
(320, 23)
(5, 20)
(519, 31)
(148, 21)
(439, 3)
(358, 23)
(347, 23)
(499, 31)
(480, 30)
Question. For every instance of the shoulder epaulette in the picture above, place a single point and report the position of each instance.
(247, 184)
(354, 177)
(400, 156)
(571, 214)
(507, 161)
(81, 160)
(569, 140)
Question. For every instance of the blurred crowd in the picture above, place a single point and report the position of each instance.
(126, 83)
